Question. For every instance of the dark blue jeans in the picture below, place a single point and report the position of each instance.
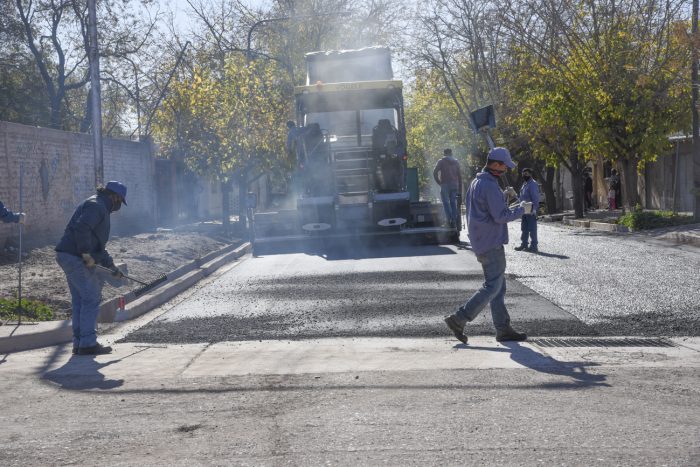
(528, 226)
(493, 292)
(86, 295)
(449, 202)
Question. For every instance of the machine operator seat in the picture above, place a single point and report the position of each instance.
(387, 156)
(316, 161)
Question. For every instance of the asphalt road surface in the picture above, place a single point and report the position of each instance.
(394, 290)
(620, 284)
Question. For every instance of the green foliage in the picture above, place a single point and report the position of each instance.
(639, 219)
(433, 124)
(32, 309)
(223, 122)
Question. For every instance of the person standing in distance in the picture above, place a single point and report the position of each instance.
(80, 249)
(487, 218)
(448, 175)
(529, 192)
(8, 216)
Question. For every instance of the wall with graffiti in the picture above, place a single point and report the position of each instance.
(58, 173)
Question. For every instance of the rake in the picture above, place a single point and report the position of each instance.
(145, 286)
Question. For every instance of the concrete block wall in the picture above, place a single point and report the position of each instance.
(59, 174)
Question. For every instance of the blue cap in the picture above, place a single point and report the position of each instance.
(118, 188)
(502, 155)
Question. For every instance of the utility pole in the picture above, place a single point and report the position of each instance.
(695, 82)
(94, 57)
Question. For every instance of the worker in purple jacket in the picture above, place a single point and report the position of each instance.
(529, 192)
(487, 218)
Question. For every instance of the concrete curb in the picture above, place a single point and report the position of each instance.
(593, 225)
(44, 334)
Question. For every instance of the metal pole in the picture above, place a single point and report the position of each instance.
(19, 261)
(96, 94)
(695, 83)
(675, 180)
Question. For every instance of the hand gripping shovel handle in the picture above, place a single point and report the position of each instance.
(146, 286)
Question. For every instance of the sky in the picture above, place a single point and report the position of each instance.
(181, 8)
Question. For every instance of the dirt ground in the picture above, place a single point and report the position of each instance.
(147, 256)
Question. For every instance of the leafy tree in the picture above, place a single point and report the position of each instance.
(55, 35)
(548, 117)
(227, 124)
(620, 65)
(432, 124)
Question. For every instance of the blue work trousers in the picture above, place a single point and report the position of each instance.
(528, 225)
(86, 295)
(493, 291)
(449, 201)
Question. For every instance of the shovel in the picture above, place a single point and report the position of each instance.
(145, 286)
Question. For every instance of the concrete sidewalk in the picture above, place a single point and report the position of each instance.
(16, 338)
(369, 401)
(142, 364)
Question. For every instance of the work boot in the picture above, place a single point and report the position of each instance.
(457, 328)
(510, 334)
(533, 249)
(521, 248)
(97, 349)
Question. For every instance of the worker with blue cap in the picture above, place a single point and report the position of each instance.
(80, 249)
(487, 217)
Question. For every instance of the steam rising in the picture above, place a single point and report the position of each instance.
(343, 66)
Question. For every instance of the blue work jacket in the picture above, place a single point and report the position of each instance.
(6, 215)
(488, 214)
(531, 192)
(88, 230)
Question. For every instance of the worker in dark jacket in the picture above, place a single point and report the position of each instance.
(8, 216)
(487, 216)
(448, 175)
(80, 249)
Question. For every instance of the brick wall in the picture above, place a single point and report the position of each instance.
(59, 174)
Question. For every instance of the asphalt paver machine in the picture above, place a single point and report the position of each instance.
(351, 178)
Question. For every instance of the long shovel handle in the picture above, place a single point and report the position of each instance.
(127, 277)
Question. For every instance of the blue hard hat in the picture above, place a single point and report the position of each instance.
(502, 155)
(118, 188)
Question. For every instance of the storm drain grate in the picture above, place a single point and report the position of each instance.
(601, 342)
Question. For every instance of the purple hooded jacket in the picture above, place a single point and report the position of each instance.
(488, 214)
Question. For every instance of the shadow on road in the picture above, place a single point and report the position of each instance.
(335, 250)
(83, 372)
(551, 255)
(534, 360)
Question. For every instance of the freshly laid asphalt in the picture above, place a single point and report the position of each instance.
(388, 290)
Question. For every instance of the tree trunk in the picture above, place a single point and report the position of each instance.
(627, 169)
(226, 206)
(577, 183)
(242, 198)
(55, 122)
(548, 188)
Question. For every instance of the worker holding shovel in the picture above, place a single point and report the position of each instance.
(487, 216)
(79, 251)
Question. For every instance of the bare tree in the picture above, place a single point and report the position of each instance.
(55, 32)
